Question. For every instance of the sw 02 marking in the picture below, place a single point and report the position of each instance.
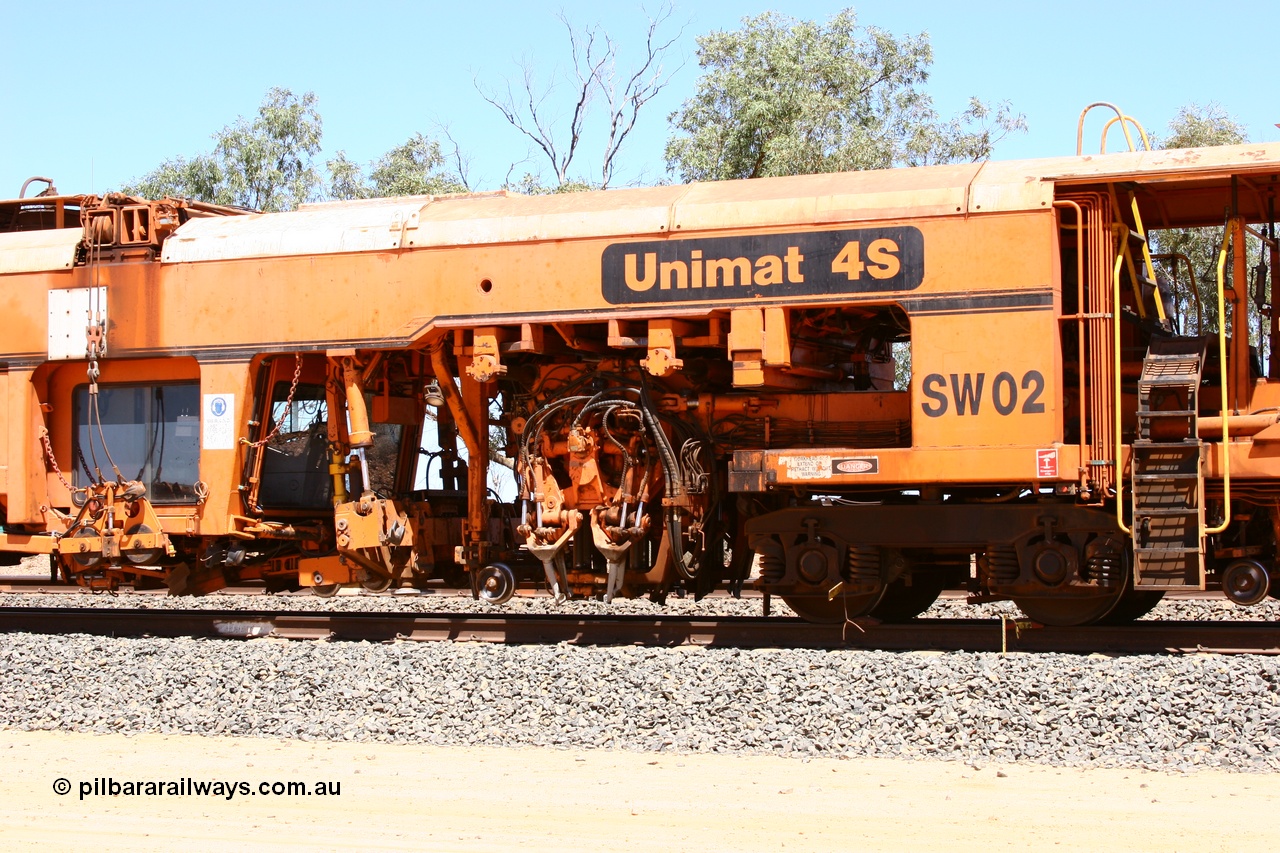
(967, 390)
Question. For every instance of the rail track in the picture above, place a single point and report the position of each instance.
(41, 585)
(987, 635)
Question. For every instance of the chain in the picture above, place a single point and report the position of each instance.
(84, 466)
(53, 463)
(288, 403)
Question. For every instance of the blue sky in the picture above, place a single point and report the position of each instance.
(96, 94)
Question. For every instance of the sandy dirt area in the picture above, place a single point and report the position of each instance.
(396, 797)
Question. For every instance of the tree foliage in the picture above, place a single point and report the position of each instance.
(264, 163)
(781, 96)
(417, 167)
(533, 108)
(1197, 126)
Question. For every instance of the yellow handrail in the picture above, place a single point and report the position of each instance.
(1115, 323)
(1146, 142)
(1222, 370)
(1080, 124)
(1146, 255)
(1124, 125)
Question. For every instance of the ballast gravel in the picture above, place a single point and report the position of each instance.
(454, 601)
(1212, 609)
(1163, 713)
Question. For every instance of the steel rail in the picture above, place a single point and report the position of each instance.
(976, 635)
(44, 586)
(30, 585)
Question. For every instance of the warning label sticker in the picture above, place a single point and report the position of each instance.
(807, 467)
(219, 422)
(857, 465)
(1047, 463)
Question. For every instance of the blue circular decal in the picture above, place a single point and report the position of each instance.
(218, 407)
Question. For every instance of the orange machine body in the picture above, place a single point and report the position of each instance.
(832, 386)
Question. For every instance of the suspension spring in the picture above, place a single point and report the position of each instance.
(1105, 565)
(773, 567)
(864, 565)
(1001, 565)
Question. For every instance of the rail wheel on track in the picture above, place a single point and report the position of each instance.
(376, 583)
(832, 611)
(902, 603)
(1109, 562)
(497, 583)
(1070, 612)
(1134, 604)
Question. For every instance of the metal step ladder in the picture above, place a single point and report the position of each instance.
(1167, 497)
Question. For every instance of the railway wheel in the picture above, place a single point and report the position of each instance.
(1070, 612)
(142, 556)
(376, 583)
(902, 603)
(325, 590)
(1246, 582)
(1108, 560)
(497, 583)
(87, 559)
(832, 611)
(1134, 604)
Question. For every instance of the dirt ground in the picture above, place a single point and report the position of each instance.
(431, 798)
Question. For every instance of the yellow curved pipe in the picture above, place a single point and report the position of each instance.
(1222, 369)
(1125, 122)
(1080, 124)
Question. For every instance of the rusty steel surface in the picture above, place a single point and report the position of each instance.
(733, 632)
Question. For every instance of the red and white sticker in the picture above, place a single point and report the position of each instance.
(857, 465)
(1047, 464)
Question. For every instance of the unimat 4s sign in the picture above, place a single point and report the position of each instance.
(815, 263)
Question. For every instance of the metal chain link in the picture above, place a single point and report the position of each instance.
(84, 466)
(53, 463)
(288, 403)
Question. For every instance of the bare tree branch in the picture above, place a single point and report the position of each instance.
(461, 164)
(593, 54)
(644, 84)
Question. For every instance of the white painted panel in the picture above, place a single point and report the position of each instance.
(69, 313)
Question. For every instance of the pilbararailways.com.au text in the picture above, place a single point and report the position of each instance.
(107, 786)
